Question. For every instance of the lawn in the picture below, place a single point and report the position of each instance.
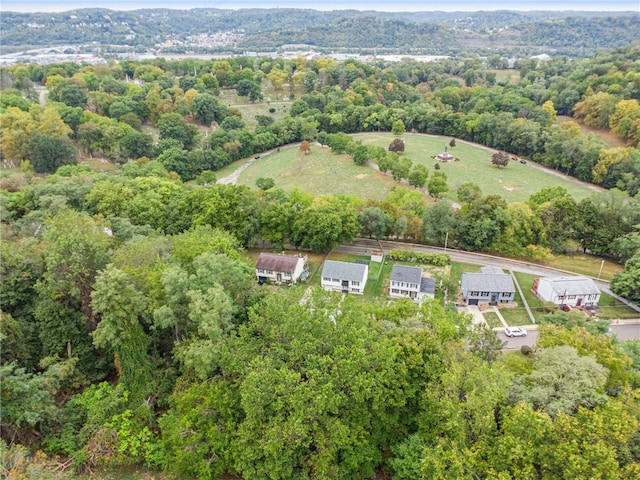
(492, 319)
(320, 172)
(588, 265)
(515, 182)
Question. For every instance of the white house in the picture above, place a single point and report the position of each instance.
(408, 282)
(490, 285)
(345, 277)
(276, 268)
(574, 291)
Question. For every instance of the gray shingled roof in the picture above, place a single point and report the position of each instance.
(487, 282)
(403, 273)
(343, 270)
(491, 270)
(574, 285)
(277, 263)
(428, 285)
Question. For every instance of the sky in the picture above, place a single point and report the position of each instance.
(380, 5)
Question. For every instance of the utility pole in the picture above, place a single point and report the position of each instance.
(446, 239)
(601, 266)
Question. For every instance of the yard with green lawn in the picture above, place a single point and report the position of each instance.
(515, 182)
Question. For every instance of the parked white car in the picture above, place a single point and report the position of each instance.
(515, 332)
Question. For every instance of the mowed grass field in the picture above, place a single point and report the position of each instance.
(515, 182)
(317, 173)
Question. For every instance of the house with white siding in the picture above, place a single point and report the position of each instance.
(574, 290)
(345, 277)
(408, 282)
(277, 268)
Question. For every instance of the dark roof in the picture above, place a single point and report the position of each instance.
(277, 262)
(403, 273)
(344, 270)
(487, 282)
(428, 285)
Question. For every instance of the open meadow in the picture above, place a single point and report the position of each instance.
(317, 173)
(515, 182)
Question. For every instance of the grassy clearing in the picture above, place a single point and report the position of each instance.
(610, 309)
(588, 265)
(515, 182)
(318, 173)
(249, 109)
(492, 319)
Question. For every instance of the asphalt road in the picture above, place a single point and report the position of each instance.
(621, 332)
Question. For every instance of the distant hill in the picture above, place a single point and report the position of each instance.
(218, 30)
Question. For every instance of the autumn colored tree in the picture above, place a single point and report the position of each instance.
(305, 147)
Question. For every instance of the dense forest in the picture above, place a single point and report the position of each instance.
(433, 33)
(133, 331)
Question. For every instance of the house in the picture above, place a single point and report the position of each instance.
(490, 285)
(345, 277)
(277, 268)
(408, 282)
(574, 291)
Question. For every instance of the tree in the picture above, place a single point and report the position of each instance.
(469, 192)
(206, 108)
(265, 183)
(500, 159)
(47, 153)
(374, 222)
(438, 185)
(485, 343)
(627, 283)
(561, 382)
(452, 143)
(418, 176)
(305, 147)
(120, 330)
(174, 126)
(396, 145)
(361, 155)
(398, 127)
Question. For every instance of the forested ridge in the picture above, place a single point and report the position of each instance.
(134, 332)
(434, 33)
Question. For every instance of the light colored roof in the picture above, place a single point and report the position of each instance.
(573, 285)
(491, 270)
(277, 262)
(344, 270)
(403, 273)
(487, 282)
(428, 285)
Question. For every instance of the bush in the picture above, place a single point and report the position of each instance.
(436, 259)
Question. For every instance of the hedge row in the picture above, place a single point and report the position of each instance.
(437, 259)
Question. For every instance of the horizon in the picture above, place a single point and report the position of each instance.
(42, 6)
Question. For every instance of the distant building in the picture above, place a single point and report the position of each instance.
(344, 277)
(276, 268)
(491, 285)
(574, 291)
(408, 282)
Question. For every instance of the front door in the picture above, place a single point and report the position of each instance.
(579, 302)
(279, 277)
(345, 286)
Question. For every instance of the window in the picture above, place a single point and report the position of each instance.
(269, 272)
(326, 279)
(484, 294)
(355, 284)
(395, 290)
(260, 270)
(572, 297)
(474, 294)
(287, 274)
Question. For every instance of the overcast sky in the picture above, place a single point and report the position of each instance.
(387, 6)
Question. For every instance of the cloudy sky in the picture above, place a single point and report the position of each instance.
(399, 6)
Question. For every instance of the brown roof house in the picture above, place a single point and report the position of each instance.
(279, 268)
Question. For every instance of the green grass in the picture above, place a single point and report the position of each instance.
(610, 308)
(249, 110)
(318, 173)
(515, 182)
(492, 319)
(584, 264)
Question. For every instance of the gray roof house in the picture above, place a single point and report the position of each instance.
(490, 285)
(344, 277)
(407, 282)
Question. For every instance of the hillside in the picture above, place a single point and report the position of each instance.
(236, 31)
